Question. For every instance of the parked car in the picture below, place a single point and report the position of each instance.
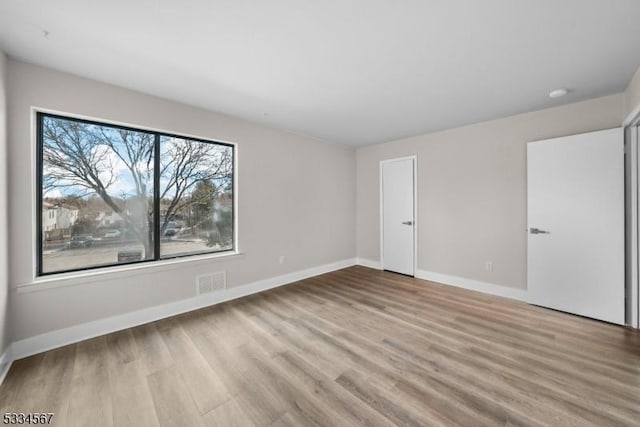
(81, 241)
(112, 234)
(170, 232)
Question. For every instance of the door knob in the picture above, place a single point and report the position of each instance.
(407, 222)
(534, 230)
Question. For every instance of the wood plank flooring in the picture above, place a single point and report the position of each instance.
(356, 347)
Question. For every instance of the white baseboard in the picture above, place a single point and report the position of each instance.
(5, 363)
(473, 285)
(369, 263)
(76, 333)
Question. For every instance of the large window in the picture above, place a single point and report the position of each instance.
(111, 195)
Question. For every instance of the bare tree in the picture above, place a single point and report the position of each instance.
(81, 159)
(185, 163)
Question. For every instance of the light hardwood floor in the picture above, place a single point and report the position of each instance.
(356, 347)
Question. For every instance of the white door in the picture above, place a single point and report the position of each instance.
(398, 221)
(576, 224)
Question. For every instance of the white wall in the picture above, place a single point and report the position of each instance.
(472, 189)
(296, 198)
(4, 236)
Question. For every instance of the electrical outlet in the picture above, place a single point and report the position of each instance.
(488, 265)
(281, 259)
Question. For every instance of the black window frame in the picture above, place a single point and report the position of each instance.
(40, 116)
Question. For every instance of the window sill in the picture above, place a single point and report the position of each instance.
(112, 273)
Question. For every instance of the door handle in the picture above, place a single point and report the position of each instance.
(534, 230)
(407, 222)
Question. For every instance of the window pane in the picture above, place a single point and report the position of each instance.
(97, 195)
(196, 197)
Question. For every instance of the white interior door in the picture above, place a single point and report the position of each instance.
(398, 215)
(576, 224)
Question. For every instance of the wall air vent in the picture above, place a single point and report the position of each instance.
(211, 282)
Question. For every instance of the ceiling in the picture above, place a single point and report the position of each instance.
(356, 72)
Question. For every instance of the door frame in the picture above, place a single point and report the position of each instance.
(414, 159)
(632, 221)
